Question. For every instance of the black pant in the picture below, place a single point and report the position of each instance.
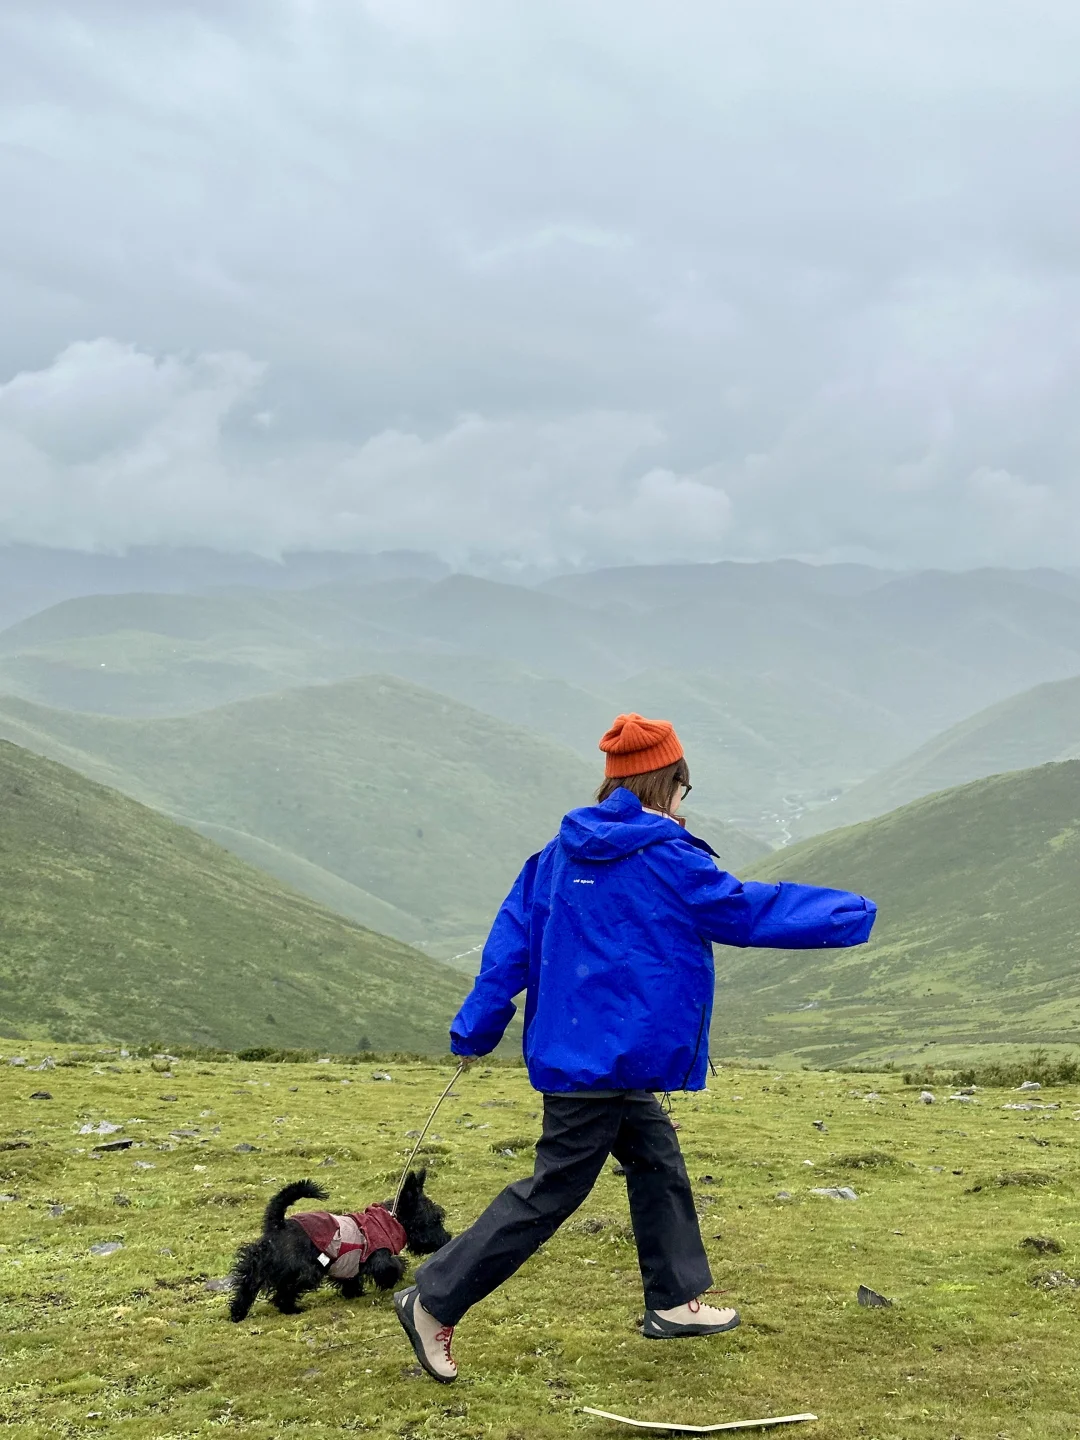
(579, 1134)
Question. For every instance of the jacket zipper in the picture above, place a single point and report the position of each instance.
(697, 1047)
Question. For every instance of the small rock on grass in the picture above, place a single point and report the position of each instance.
(835, 1192)
(216, 1286)
(927, 1097)
(1056, 1280)
(871, 1299)
(41, 1095)
(244, 1148)
(381, 1075)
(1041, 1245)
(110, 1247)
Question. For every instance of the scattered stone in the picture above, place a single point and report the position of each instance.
(217, 1286)
(103, 1127)
(183, 1134)
(809, 1162)
(167, 1097)
(736, 1097)
(927, 1097)
(413, 1134)
(509, 1154)
(836, 1192)
(145, 1165)
(1055, 1280)
(964, 1098)
(17, 1060)
(1026, 1179)
(1041, 1245)
(166, 1252)
(324, 1061)
(380, 1075)
(47, 1064)
(708, 1180)
(109, 1248)
(293, 1089)
(328, 1161)
(41, 1095)
(821, 1126)
(1030, 1085)
(244, 1148)
(107, 1146)
(872, 1299)
(55, 1211)
(783, 1195)
(872, 1095)
(6, 1199)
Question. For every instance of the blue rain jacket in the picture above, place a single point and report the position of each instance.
(609, 931)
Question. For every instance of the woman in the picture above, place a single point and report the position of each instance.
(609, 932)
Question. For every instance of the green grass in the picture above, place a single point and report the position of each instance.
(975, 943)
(115, 922)
(134, 1345)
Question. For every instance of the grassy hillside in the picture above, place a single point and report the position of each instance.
(423, 806)
(1035, 728)
(979, 1342)
(975, 944)
(115, 922)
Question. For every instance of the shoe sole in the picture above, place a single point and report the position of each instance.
(404, 1300)
(685, 1332)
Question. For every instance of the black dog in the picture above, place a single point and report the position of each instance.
(297, 1254)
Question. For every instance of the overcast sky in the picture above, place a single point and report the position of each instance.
(571, 281)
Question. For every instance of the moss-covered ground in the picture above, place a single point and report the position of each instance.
(134, 1343)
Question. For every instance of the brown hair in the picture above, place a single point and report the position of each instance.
(655, 788)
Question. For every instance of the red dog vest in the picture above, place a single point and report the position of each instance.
(344, 1242)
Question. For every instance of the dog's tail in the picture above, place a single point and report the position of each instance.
(274, 1218)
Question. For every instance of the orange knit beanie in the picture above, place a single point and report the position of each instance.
(635, 745)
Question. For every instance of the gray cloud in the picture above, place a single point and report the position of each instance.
(564, 282)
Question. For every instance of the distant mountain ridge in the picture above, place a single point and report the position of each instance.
(1034, 728)
(792, 682)
(120, 925)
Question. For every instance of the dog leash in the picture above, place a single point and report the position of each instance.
(401, 1183)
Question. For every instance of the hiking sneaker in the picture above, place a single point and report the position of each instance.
(693, 1318)
(430, 1338)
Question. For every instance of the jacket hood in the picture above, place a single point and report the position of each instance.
(618, 828)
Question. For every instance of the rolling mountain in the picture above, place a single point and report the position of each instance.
(411, 811)
(793, 682)
(975, 943)
(1034, 728)
(118, 924)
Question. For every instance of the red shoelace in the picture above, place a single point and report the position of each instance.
(443, 1337)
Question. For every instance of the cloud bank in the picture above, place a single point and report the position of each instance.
(559, 284)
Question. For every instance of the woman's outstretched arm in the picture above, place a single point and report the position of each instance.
(784, 916)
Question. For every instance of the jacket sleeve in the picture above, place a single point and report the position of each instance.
(784, 916)
(504, 970)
